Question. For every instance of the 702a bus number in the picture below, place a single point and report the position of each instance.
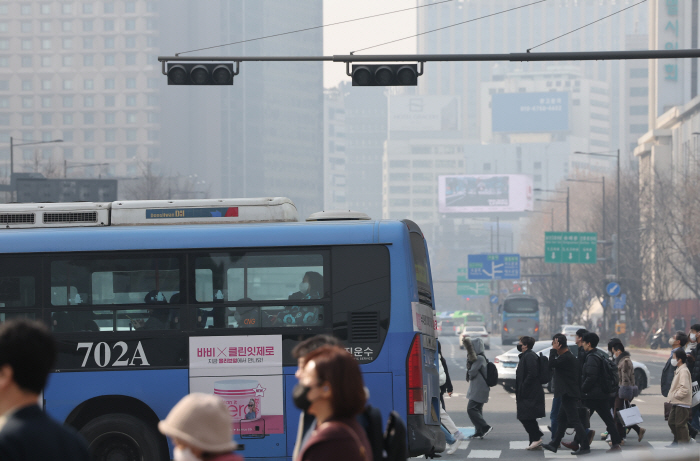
(102, 354)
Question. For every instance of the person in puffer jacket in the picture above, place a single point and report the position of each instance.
(479, 390)
(628, 390)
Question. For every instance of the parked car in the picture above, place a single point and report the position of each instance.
(642, 377)
(448, 328)
(508, 362)
(570, 332)
(471, 331)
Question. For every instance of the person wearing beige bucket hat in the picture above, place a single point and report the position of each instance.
(201, 429)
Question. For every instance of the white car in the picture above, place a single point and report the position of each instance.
(508, 362)
(642, 377)
(475, 332)
(570, 332)
(448, 328)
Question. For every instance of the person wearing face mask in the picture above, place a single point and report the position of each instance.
(331, 388)
(678, 340)
(311, 287)
(200, 427)
(529, 395)
(695, 372)
(628, 390)
(681, 397)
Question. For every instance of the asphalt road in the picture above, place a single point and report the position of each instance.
(508, 439)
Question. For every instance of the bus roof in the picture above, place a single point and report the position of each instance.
(109, 238)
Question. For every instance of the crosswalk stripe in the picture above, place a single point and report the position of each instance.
(464, 445)
(483, 454)
(519, 445)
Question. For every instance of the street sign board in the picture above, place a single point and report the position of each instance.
(571, 247)
(620, 302)
(494, 299)
(613, 289)
(467, 288)
(494, 266)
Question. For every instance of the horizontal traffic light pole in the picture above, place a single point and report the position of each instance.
(514, 57)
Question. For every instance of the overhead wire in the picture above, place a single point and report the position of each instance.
(316, 27)
(451, 25)
(586, 25)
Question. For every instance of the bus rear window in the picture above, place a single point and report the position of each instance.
(420, 265)
(520, 306)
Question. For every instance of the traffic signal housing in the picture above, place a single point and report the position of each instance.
(197, 73)
(385, 74)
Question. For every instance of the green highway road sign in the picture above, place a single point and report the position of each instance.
(467, 288)
(571, 247)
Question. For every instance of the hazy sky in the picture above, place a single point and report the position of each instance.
(344, 38)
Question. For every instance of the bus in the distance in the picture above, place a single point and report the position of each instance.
(152, 300)
(520, 316)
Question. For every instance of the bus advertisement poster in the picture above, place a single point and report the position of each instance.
(246, 372)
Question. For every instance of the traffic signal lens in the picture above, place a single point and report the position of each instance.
(221, 75)
(199, 75)
(406, 76)
(177, 75)
(361, 76)
(384, 76)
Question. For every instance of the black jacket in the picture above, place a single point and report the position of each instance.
(695, 367)
(447, 387)
(581, 356)
(529, 395)
(30, 435)
(592, 377)
(667, 376)
(565, 368)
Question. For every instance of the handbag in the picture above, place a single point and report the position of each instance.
(696, 394)
(584, 415)
(667, 410)
(630, 415)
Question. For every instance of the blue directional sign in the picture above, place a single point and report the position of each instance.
(493, 267)
(620, 302)
(613, 289)
(569, 303)
(494, 299)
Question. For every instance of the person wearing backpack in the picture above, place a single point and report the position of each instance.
(566, 387)
(479, 390)
(596, 386)
(529, 395)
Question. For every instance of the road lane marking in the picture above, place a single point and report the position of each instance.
(484, 454)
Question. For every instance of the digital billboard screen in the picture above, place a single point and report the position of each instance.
(484, 193)
(529, 112)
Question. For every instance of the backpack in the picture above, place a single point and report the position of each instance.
(391, 445)
(545, 372)
(491, 377)
(610, 381)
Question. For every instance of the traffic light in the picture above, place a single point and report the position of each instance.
(385, 75)
(197, 73)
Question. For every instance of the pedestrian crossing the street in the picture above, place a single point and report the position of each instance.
(498, 448)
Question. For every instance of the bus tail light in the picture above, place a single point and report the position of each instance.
(505, 327)
(537, 327)
(414, 375)
(496, 360)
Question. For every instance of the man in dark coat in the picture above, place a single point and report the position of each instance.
(695, 372)
(27, 354)
(594, 397)
(529, 395)
(566, 387)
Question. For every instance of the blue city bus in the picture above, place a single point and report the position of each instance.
(145, 313)
(520, 316)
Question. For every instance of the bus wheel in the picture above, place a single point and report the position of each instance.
(121, 437)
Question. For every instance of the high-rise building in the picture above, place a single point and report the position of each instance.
(334, 151)
(264, 135)
(86, 73)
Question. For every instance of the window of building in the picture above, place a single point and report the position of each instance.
(538, 178)
(67, 8)
(66, 26)
(26, 61)
(87, 8)
(67, 60)
(639, 73)
(45, 8)
(88, 84)
(399, 202)
(110, 152)
(639, 128)
(108, 23)
(153, 117)
(3, 26)
(131, 134)
(151, 6)
(109, 42)
(68, 101)
(88, 118)
(26, 9)
(153, 135)
(399, 176)
(67, 135)
(110, 118)
(67, 119)
(109, 84)
(46, 136)
(27, 102)
(4, 44)
(28, 119)
(130, 7)
(25, 26)
(109, 100)
(46, 61)
(399, 189)
(88, 60)
(130, 24)
(46, 102)
(4, 61)
(130, 59)
(89, 153)
(131, 100)
(110, 135)
(151, 41)
(46, 119)
(130, 42)
(131, 153)
(26, 85)
(109, 59)
(27, 44)
(152, 100)
(399, 164)
(423, 177)
(4, 102)
(131, 117)
(537, 165)
(89, 135)
(487, 167)
(109, 7)
(639, 91)
(46, 84)
(67, 152)
(153, 152)
(577, 102)
(422, 164)
(639, 110)
(88, 101)
(87, 43)
(67, 43)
